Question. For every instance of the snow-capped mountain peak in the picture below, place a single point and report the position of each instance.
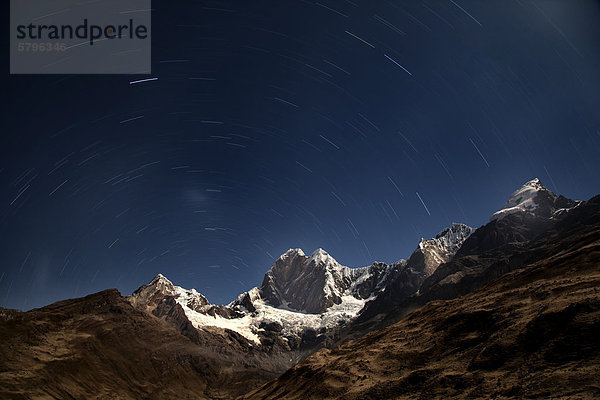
(292, 253)
(534, 199)
(160, 286)
(160, 278)
(320, 256)
(522, 200)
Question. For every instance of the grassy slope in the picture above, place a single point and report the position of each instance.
(99, 347)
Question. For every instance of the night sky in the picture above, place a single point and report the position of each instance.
(356, 126)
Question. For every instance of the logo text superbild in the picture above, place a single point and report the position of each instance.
(83, 31)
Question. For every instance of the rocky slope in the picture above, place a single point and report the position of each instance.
(531, 333)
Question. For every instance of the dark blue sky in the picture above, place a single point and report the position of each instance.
(291, 124)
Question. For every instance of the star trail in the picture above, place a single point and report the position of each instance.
(283, 124)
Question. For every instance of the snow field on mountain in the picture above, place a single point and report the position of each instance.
(293, 322)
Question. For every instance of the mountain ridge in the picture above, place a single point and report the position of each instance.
(299, 287)
(529, 211)
(276, 325)
(336, 295)
(528, 333)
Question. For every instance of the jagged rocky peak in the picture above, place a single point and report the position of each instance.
(292, 253)
(319, 256)
(432, 253)
(302, 283)
(535, 200)
(312, 284)
(294, 262)
(246, 300)
(453, 237)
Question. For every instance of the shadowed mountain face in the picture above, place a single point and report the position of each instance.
(532, 333)
(498, 247)
(484, 254)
